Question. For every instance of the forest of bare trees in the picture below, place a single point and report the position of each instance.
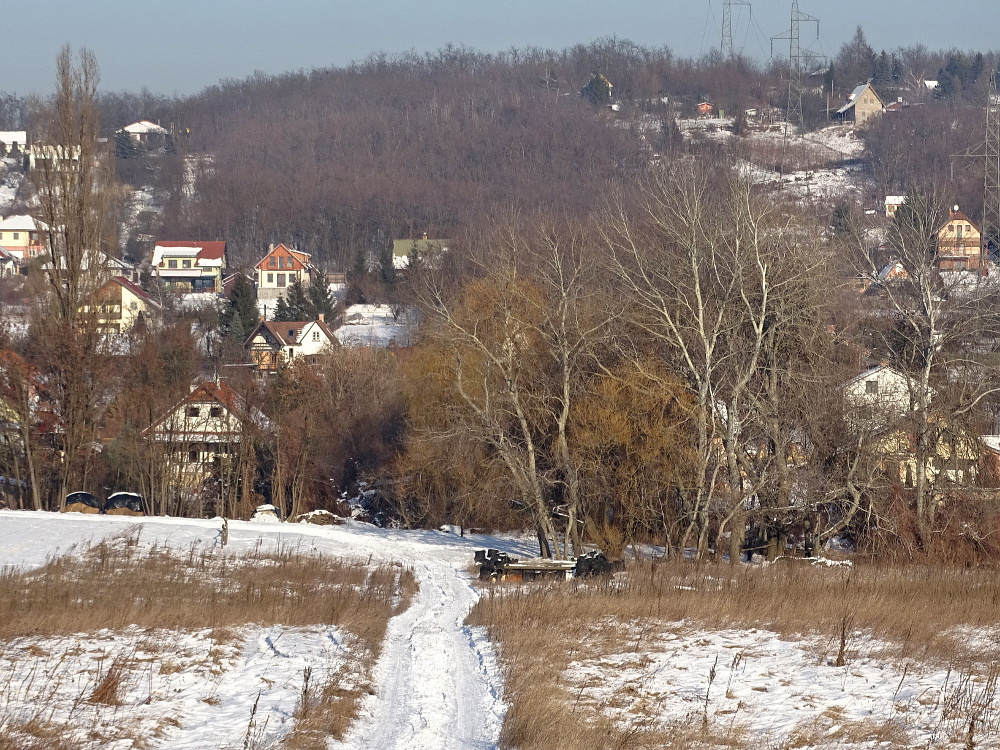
(630, 339)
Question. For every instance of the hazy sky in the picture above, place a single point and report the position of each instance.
(181, 46)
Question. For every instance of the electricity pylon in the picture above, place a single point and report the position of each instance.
(727, 26)
(991, 178)
(797, 57)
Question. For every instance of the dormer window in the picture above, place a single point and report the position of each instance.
(187, 263)
(291, 333)
(171, 264)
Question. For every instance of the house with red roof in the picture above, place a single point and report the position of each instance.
(188, 266)
(281, 267)
(202, 432)
(274, 343)
(119, 305)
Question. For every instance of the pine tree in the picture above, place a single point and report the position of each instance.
(320, 300)
(281, 310)
(298, 303)
(243, 300)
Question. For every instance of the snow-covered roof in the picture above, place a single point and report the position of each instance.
(13, 136)
(145, 127)
(21, 223)
(209, 254)
(895, 200)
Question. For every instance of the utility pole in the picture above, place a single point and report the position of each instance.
(796, 57)
(991, 179)
(727, 26)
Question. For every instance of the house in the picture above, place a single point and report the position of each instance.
(705, 109)
(893, 271)
(145, 133)
(960, 244)
(862, 104)
(406, 252)
(201, 433)
(13, 140)
(878, 396)
(23, 237)
(279, 268)
(892, 204)
(119, 305)
(275, 343)
(954, 457)
(56, 158)
(188, 266)
(10, 264)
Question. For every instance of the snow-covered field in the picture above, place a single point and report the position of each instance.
(438, 684)
(786, 693)
(376, 325)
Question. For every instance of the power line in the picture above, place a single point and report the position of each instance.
(727, 26)
(797, 56)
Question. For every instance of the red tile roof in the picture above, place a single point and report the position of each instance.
(214, 250)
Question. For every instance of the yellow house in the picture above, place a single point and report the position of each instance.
(22, 236)
(120, 305)
(959, 244)
(861, 106)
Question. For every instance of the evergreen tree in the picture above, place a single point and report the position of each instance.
(243, 300)
(298, 303)
(125, 147)
(320, 300)
(597, 90)
(281, 311)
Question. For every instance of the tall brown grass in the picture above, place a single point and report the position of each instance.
(119, 583)
(920, 613)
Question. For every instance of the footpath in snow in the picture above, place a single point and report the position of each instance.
(438, 685)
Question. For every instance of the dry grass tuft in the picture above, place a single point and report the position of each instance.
(118, 584)
(923, 613)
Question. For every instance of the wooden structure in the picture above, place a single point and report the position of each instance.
(960, 244)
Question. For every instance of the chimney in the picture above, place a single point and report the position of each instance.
(425, 235)
(322, 318)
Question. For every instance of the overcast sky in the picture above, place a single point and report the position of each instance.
(183, 45)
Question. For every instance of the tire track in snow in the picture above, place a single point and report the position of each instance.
(438, 682)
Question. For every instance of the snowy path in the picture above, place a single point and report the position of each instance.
(438, 682)
(438, 686)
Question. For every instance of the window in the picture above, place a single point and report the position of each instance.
(951, 227)
(187, 263)
(272, 262)
(281, 279)
(968, 228)
(193, 456)
(17, 235)
(270, 278)
(216, 411)
(315, 335)
(291, 333)
(171, 264)
(194, 411)
(871, 386)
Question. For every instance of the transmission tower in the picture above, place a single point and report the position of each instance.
(797, 57)
(727, 26)
(991, 180)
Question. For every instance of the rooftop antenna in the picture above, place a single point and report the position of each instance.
(797, 56)
(727, 26)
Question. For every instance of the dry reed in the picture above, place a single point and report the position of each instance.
(119, 583)
(922, 613)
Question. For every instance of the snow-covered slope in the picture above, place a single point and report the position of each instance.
(438, 684)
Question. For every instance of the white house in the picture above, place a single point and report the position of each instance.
(274, 343)
(144, 131)
(189, 266)
(879, 396)
(12, 140)
(202, 431)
